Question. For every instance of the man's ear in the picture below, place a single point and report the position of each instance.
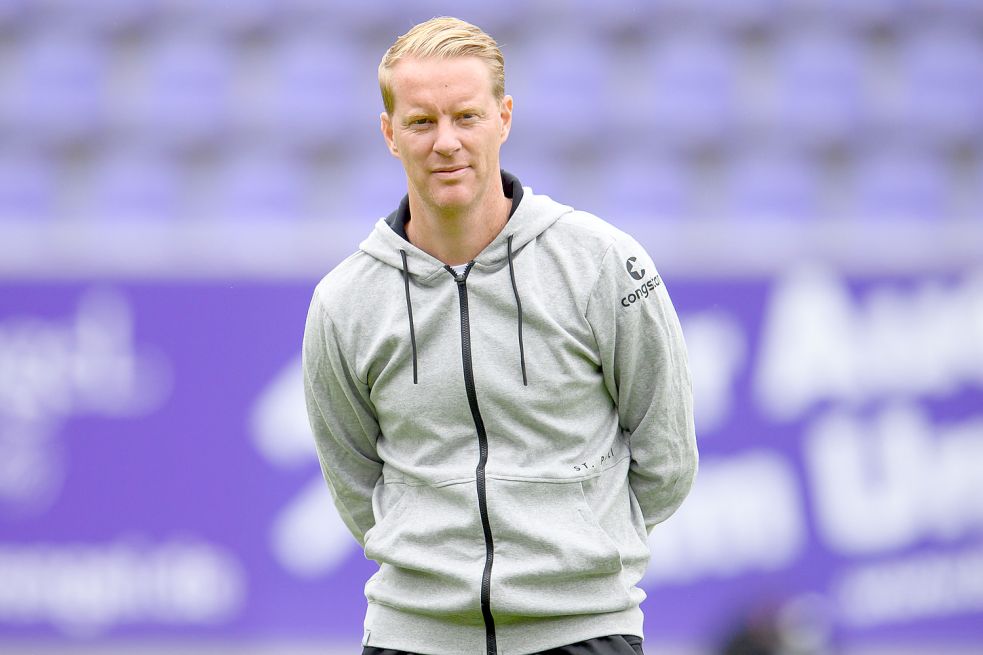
(506, 114)
(386, 125)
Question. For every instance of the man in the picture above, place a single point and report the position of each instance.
(497, 384)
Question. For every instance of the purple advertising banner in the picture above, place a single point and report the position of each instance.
(158, 478)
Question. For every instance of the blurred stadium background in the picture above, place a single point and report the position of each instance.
(176, 175)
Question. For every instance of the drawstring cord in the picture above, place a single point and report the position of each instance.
(409, 309)
(518, 307)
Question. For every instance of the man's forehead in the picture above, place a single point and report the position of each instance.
(430, 81)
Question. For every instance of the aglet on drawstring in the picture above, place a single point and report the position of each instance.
(409, 309)
(518, 307)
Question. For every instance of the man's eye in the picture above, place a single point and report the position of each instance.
(419, 121)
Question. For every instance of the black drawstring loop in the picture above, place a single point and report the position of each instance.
(409, 309)
(518, 307)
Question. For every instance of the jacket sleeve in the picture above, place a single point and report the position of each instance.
(646, 371)
(343, 421)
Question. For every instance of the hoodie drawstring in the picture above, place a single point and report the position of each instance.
(518, 307)
(409, 309)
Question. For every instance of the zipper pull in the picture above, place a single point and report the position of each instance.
(461, 277)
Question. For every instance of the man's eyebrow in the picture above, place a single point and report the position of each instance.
(411, 116)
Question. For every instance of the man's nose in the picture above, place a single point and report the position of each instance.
(447, 141)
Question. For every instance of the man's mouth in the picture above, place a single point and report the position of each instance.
(450, 172)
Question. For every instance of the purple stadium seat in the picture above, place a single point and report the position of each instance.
(900, 183)
(957, 12)
(772, 183)
(686, 96)
(864, 14)
(235, 16)
(546, 174)
(562, 90)
(313, 95)
(342, 16)
(494, 18)
(725, 14)
(28, 185)
(942, 86)
(368, 186)
(14, 13)
(646, 185)
(260, 184)
(614, 17)
(137, 185)
(57, 94)
(975, 196)
(819, 88)
(98, 15)
(184, 95)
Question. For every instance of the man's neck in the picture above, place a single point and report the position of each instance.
(457, 238)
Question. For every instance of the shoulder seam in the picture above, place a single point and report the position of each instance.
(602, 229)
(600, 271)
(330, 324)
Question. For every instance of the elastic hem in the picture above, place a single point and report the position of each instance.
(389, 627)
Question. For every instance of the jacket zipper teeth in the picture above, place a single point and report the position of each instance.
(482, 459)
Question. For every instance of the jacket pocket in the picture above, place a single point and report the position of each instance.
(388, 503)
(551, 555)
(430, 552)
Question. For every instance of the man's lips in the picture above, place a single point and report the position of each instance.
(450, 171)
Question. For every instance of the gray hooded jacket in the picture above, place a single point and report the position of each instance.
(501, 441)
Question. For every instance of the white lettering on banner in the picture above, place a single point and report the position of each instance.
(717, 348)
(819, 343)
(278, 420)
(744, 514)
(86, 589)
(50, 369)
(307, 537)
(916, 587)
(887, 485)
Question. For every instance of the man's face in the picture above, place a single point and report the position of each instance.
(447, 129)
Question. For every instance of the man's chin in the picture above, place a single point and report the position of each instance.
(451, 199)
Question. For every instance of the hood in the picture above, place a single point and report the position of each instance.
(531, 215)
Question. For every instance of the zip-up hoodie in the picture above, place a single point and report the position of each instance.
(501, 440)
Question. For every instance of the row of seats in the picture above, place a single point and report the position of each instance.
(892, 182)
(238, 16)
(818, 87)
(175, 109)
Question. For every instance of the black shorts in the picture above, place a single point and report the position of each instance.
(611, 645)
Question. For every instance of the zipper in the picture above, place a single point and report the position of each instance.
(462, 293)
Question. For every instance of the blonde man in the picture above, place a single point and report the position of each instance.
(497, 384)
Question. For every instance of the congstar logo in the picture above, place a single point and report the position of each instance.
(642, 292)
(630, 266)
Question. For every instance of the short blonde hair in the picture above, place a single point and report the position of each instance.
(443, 37)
